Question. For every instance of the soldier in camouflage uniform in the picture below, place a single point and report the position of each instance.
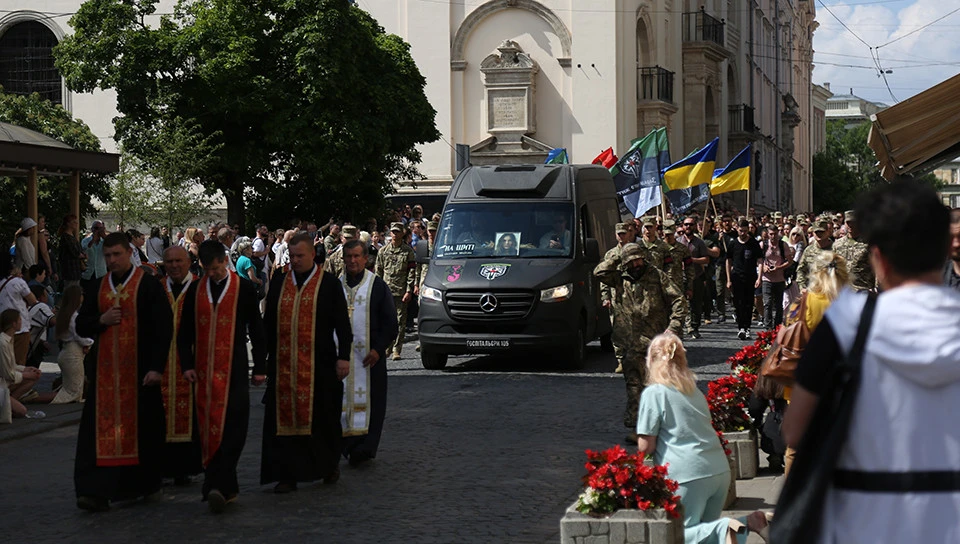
(626, 233)
(646, 303)
(425, 267)
(657, 250)
(680, 267)
(397, 265)
(334, 262)
(855, 252)
(822, 229)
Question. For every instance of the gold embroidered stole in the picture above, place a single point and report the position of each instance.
(118, 377)
(216, 328)
(354, 418)
(296, 351)
(177, 392)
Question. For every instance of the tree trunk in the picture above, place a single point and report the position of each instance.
(236, 211)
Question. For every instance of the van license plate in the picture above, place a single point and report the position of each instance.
(488, 344)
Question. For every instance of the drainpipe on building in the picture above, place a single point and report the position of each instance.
(776, 83)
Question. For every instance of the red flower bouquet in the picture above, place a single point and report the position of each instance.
(617, 480)
(750, 357)
(727, 399)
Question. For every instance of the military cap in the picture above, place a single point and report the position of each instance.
(623, 227)
(431, 225)
(349, 232)
(630, 252)
(777, 215)
(669, 226)
(648, 220)
(396, 227)
(849, 216)
(790, 218)
(820, 225)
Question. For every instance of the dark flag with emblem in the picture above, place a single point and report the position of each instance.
(636, 175)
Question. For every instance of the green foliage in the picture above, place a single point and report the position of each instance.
(308, 107)
(53, 199)
(847, 167)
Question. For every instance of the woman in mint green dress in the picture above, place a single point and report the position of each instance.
(674, 427)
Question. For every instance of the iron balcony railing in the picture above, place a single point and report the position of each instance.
(655, 83)
(741, 118)
(698, 26)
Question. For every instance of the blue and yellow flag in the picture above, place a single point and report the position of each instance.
(695, 169)
(557, 156)
(735, 176)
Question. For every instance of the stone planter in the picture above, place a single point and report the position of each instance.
(732, 489)
(621, 527)
(744, 452)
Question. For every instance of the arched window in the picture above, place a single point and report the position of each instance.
(26, 61)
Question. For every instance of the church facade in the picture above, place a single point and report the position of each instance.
(513, 79)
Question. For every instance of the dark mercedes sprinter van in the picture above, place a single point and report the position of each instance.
(512, 266)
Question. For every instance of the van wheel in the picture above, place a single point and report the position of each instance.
(577, 358)
(432, 360)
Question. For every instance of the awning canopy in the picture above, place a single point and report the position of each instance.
(918, 134)
(23, 149)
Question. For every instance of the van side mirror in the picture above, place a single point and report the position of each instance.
(591, 251)
(422, 252)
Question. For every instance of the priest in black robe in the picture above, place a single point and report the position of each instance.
(181, 455)
(121, 436)
(383, 327)
(303, 442)
(222, 446)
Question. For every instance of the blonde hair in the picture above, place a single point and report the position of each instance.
(667, 364)
(829, 274)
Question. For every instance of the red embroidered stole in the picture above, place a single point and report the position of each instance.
(118, 378)
(177, 393)
(296, 325)
(214, 358)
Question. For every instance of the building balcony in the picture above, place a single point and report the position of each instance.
(654, 83)
(740, 119)
(698, 26)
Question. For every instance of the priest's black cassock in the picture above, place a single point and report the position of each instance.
(304, 458)
(221, 470)
(154, 326)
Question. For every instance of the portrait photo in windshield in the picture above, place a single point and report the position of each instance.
(508, 243)
(535, 230)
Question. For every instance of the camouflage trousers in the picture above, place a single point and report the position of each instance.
(635, 376)
(401, 307)
(722, 293)
(617, 348)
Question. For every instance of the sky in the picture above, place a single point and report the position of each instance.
(917, 55)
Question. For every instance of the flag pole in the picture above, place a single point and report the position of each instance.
(706, 210)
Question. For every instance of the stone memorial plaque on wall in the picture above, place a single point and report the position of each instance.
(507, 109)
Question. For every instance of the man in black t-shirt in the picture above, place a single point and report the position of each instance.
(726, 238)
(743, 252)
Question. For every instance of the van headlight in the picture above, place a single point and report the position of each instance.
(431, 294)
(556, 294)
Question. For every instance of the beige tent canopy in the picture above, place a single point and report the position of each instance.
(27, 153)
(918, 134)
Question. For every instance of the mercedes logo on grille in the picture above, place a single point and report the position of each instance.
(488, 303)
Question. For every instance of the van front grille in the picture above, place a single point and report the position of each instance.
(488, 305)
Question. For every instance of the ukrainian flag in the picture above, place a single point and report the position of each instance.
(695, 169)
(736, 175)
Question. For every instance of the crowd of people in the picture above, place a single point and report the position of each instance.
(322, 305)
(900, 241)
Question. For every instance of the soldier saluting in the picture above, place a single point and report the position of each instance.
(646, 303)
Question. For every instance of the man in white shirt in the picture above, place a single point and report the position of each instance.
(15, 293)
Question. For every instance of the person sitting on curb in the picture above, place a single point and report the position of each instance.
(15, 377)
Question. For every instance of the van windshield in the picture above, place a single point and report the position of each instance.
(528, 229)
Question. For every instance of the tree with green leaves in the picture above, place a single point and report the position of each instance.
(53, 199)
(311, 109)
(847, 167)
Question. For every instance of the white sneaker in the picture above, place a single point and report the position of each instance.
(746, 334)
(742, 334)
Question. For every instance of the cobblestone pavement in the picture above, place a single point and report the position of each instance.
(488, 450)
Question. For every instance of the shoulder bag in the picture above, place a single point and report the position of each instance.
(799, 511)
(780, 363)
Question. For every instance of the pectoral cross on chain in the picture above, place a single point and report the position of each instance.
(118, 294)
